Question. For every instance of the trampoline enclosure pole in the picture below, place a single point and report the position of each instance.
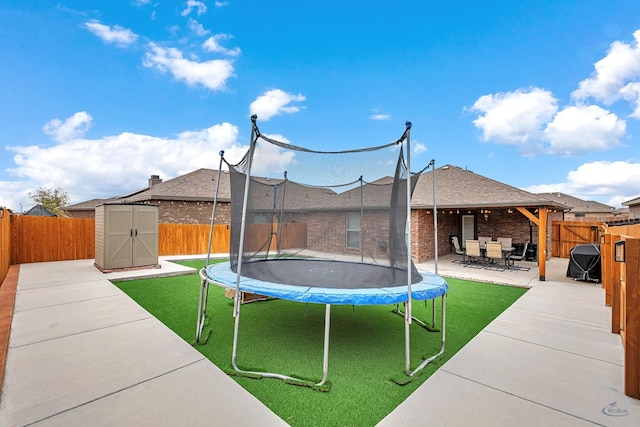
(408, 308)
(252, 148)
(215, 204)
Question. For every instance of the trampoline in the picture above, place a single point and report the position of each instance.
(331, 244)
(353, 288)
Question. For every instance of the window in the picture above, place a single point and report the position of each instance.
(353, 229)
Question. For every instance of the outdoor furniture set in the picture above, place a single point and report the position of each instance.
(489, 253)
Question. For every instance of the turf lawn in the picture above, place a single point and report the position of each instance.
(366, 348)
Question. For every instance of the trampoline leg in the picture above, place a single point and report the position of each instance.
(433, 313)
(429, 328)
(407, 346)
(234, 351)
(430, 359)
(325, 363)
(202, 308)
(325, 358)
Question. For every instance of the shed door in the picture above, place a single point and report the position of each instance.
(468, 228)
(119, 231)
(145, 240)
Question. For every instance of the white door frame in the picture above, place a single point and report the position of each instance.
(468, 228)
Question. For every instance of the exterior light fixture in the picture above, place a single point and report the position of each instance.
(619, 251)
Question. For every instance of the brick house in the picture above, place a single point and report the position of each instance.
(471, 205)
(185, 199)
(634, 208)
(586, 210)
(468, 205)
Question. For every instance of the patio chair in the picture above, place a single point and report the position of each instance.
(494, 252)
(456, 246)
(483, 240)
(511, 258)
(472, 251)
(506, 242)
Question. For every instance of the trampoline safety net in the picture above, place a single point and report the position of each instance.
(296, 203)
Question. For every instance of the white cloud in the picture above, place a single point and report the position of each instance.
(418, 148)
(269, 157)
(273, 103)
(191, 5)
(117, 35)
(619, 68)
(582, 129)
(212, 44)
(197, 28)
(531, 121)
(616, 182)
(73, 127)
(380, 117)
(13, 195)
(514, 118)
(212, 74)
(117, 164)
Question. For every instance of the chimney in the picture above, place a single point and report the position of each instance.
(154, 180)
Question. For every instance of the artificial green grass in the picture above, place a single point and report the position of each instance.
(366, 354)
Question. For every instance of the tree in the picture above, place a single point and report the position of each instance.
(53, 199)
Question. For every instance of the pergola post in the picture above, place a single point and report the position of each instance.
(542, 243)
(541, 222)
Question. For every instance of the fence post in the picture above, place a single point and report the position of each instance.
(607, 265)
(632, 319)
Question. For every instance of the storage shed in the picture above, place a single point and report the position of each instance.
(126, 236)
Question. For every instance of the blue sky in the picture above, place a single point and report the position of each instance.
(97, 96)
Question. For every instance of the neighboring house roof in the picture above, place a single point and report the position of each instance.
(455, 188)
(579, 205)
(89, 204)
(198, 185)
(93, 203)
(39, 210)
(632, 202)
(462, 188)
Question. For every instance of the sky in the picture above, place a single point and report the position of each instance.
(95, 97)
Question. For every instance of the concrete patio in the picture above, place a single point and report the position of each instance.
(82, 353)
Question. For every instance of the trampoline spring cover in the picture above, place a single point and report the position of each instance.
(327, 281)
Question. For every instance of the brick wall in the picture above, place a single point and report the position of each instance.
(422, 241)
(178, 212)
(188, 212)
(327, 232)
(81, 214)
(499, 223)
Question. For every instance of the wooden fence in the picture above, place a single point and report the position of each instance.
(191, 239)
(621, 280)
(566, 235)
(5, 242)
(44, 239)
(26, 239)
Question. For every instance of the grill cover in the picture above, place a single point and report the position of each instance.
(584, 263)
